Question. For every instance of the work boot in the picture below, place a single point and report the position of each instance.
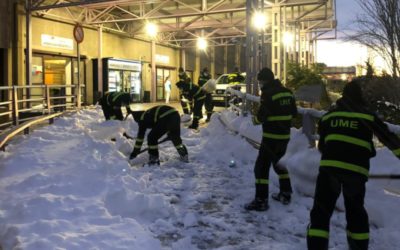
(257, 204)
(283, 197)
(153, 160)
(183, 153)
(208, 118)
(184, 158)
(193, 126)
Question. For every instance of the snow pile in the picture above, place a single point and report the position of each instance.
(69, 186)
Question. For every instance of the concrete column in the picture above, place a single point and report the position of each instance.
(183, 58)
(153, 90)
(237, 55)
(28, 45)
(212, 69)
(196, 70)
(225, 59)
(276, 42)
(100, 61)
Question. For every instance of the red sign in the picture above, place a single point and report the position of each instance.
(78, 33)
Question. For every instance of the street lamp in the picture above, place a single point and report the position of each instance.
(151, 30)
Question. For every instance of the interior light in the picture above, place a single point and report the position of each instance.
(259, 20)
(201, 43)
(151, 29)
(288, 38)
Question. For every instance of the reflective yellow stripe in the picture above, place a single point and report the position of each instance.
(284, 176)
(138, 143)
(358, 236)
(279, 118)
(156, 113)
(115, 96)
(153, 146)
(198, 92)
(201, 98)
(262, 181)
(349, 139)
(195, 116)
(280, 95)
(179, 146)
(396, 152)
(318, 233)
(276, 136)
(344, 165)
(142, 117)
(350, 115)
(167, 113)
(255, 120)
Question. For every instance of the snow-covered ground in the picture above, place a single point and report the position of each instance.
(68, 186)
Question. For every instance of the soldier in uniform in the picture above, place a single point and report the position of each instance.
(208, 101)
(187, 105)
(161, 120)
(111, 103)
(346, 146)
(193, 92)
(277, 109)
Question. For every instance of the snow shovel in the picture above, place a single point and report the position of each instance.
(147, 148)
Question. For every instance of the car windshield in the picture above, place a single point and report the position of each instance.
(225, 79)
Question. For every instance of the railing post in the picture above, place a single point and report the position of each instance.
(15, 106)
(78, 97)
(10, 106)
(48, 102)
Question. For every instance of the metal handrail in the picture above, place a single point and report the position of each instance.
(21, 99)
(6, 136)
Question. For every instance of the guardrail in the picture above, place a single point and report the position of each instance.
(24, 103)
(6, 135)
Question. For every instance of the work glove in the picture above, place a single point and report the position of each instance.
(254, 108)
(255, 120)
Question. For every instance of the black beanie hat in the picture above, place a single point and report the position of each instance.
(137, 115)
(265, 74)
(353, 92)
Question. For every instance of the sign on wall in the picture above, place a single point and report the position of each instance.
(162, 59)
(57, 42)
(124, 65)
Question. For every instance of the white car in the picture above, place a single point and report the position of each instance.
(222, 82)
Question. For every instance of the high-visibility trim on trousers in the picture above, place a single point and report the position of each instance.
(318, 233)
(345, 165)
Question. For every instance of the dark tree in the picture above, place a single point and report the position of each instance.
(379, 29)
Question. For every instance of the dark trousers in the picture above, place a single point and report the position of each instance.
(330, 183)
(112, 113)
(170, 124)
(197, 112)
(187, 107)
(270, 152)
(208, 104)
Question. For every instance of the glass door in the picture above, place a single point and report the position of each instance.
(133, 84)
(57, 72)
(162, 73)
(114, 81)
